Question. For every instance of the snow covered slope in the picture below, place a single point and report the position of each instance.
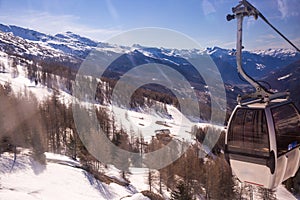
(20, 84)
(59, 179)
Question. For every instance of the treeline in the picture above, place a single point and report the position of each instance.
(194, 174)
(47, 126)
(19, 124)
(60, 75)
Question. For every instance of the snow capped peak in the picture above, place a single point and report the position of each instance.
(24, 33)
(214, 48)
(77, 38)
(281, 52)
(69, 32)
(62, 36)
(138, 46)
(217, 51)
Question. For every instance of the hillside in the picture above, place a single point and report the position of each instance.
(287, 78)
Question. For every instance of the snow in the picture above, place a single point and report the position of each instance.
(170, 61)
(22, 86)
(62, 177)
(30, 180)
(138, 196)
(284, 194)
(20, 83)
(260, 66)
(61, 159)
(23, 46)
(113, 172)
(139, 178)
(148, 120)
(284, 77)
(276, 52)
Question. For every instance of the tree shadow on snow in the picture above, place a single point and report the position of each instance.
(98, 185)
(37, 167)
(10, 163)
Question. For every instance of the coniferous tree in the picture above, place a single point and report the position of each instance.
(14, 68)
(2, 67)
(181, 192)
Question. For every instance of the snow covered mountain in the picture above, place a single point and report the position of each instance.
(71, 49)
(257, 63)
(68, 43)
(287, 78)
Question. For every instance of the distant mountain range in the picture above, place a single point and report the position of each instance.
(269, 65)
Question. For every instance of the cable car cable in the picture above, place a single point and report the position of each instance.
(263, 18)
(246, 3)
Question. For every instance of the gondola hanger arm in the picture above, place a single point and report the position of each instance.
(245, 9)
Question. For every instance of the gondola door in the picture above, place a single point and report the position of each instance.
(286, 120)
(248, 147)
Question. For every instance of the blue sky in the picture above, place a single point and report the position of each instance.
(202, 20)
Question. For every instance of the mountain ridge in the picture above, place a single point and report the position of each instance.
(259, 64)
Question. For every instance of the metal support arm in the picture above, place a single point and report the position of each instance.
(260, 90)
(240, 11)
(244, 8)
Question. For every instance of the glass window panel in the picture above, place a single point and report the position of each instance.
(287, 127)
(248, 132)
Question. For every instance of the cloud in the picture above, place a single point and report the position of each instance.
(208, 7)
(283, 8)
(288, 8)
(230, 44)
(52, 24)
(296, 41)
(250, 21)
(272, 41)
(112, 10)
(268, 37)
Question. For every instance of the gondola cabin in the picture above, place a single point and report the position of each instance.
(263, 134)
(263, 140)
